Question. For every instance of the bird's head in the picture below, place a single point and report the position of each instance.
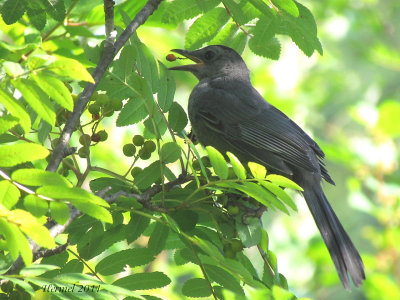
(213, 61)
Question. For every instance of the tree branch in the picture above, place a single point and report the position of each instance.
(109, 52)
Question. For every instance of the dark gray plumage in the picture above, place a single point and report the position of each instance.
(227, 113)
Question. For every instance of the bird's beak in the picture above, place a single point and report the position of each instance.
(192, 56)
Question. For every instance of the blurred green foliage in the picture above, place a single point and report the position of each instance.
(348, 99)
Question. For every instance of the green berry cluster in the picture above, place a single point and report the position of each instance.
(145, 147)
(232, 247)
(103, 105)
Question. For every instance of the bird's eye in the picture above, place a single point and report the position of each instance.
(209, 55)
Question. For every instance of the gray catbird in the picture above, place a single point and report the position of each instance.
(228, 113)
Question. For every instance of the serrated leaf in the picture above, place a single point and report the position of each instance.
(302, 30)
(12, 10)
(136, 227)
(55, 89)
(7, 122)
(158, 238)
(205, 28)
(280, 193)
(35, 205)
(264, 43)
(116, 262)
(179, 10)
(165, 95)
(133, 112)
(59, 211)
(31, 227)
(196, 287)
(37, 270)
(36, 99)
(257, 170)
(55, 8)
(262, 7)
(238, 168)
(125, 65)
(283, 181)
(242, 12)
(15, 109)
(289, 6)
(143, 281)
(250, 233)
(148, 176)
(170, 152)
(12, 155)
(223, 278)
(70, 68)
(226, 35)
(186, 219)
(9, 194)
(177, 118)
(239, 42)
(218, 162)
(36, 15)
(44, 131)
(37, 177)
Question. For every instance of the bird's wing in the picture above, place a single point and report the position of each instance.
(252, 125)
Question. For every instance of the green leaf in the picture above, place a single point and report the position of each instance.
(133, 112)
(177, 118)
(264, 43)
(31, 227)
(389, 111)
(70, 68)
(257, 170)
(35, 205)
(158, 238)
(116, 262)
(37, 177)
(74, 193)
(179, 10)
(280, 193)
(148, 176)
(262, 7)
(7, 122)
(44, 131)
(280, 293)
(12, 10)
(81, 199)
(24, 285)
(59, 211)
(186, 219)
(170, 152)
(143, 281)
(205, 28)
(165, 95)
(238, 168)
(136, 227)
(283, 181)
(250, 233)
(302, 30)
(13, 69)
(12, 155)
(36, 15)
(55, 8)
(16, 242)
(218, 162)
(289, 6)
(147, 66)
(9, 194)
(241, 12)
(196, 287)
(55, 89)
(223, 278)
(36, 98)
(125, 64)
(37, 270)
(15, 109)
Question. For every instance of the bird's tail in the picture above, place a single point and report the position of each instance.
(345, 256)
